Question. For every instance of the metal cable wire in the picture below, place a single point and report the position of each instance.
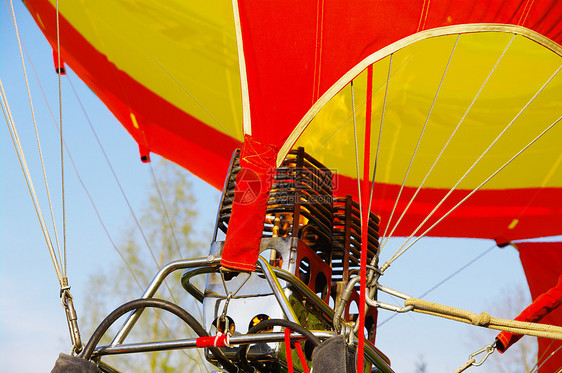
(169, 221)
(399, 251)
(449, 277)
(414, 154)
(29, 182)
(473, 191)
(61, 146)
(60, 261)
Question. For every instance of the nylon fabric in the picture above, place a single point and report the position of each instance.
(350, 31)
(188, 103)
(253, 182)
(541, 306)
(542, 264)
(201, 142)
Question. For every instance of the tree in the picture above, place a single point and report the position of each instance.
(167, 228)
(522, 356)
(421, 366)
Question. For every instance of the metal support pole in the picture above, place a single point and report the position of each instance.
(277, 290)
(155, 284)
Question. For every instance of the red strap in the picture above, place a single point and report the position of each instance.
(245, 228)
(219, 340)
(542, 306)
(288, 350)
(365, 194)
(302, 358)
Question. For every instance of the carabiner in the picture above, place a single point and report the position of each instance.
(489, 349)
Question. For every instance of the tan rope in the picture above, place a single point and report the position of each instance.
(485, 320)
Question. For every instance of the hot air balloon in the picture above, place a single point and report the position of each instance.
(438, 119)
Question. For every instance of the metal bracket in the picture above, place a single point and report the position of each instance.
(386, 306)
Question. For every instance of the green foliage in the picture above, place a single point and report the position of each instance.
(167, 222)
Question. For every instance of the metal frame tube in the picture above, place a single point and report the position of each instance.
(188, 286)
(153, 287)
(371, 352)
(277, 290)
(386, 306)
(272, 276)
(304, 290)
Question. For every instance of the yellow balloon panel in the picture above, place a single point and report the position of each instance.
(183, 51)
(465, 103)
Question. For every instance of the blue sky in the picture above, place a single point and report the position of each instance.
(32, 322)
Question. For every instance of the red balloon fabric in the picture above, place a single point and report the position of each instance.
(543, 267)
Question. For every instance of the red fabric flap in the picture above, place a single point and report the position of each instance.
(245, 228)
(542, 262)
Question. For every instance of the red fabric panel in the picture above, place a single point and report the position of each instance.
(543, 305)
(245, 228)
(296, 50)
(486, 214)
(164, 129)
(542, 262)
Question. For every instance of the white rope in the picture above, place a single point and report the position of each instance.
(27, 175)
(485, 320)
(75, 168)
(168, 220)
(474, 191)
(61, 145)
(137, 222)
(25, 168)
(446, 279)
(60, 260)
(415, 153)
(356, 151)
(380, 135)
(400, 249)
(130, 208)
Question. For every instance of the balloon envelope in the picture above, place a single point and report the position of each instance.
(460, 73)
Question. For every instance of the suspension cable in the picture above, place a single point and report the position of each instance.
(59, 72)
(102, 149)
(61, 273)
(445, 147)
(74, 166)
(437, 285)
(169, 221)
(559, 349)
(487, 149)
(375, 259)
(356, 149)
(398, 253)
(29, 182)
(414, 155)
(137, 222)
